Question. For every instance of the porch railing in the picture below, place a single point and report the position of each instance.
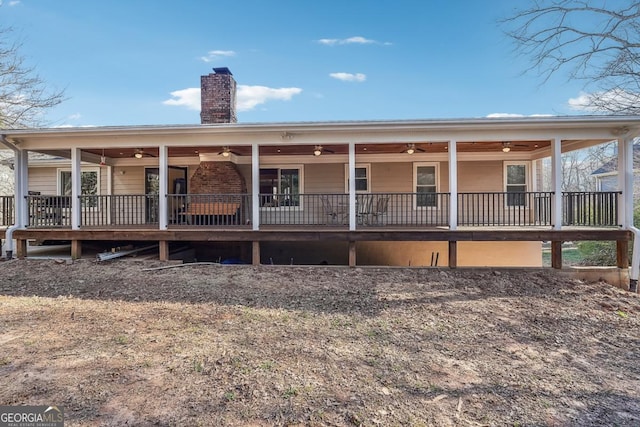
(209, 209)
(504, 209)
(590, 208)
(120, 209)
(521, 209)
(7, 210)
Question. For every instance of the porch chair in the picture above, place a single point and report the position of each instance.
(327, 209)
(379, 214)
(364, 203)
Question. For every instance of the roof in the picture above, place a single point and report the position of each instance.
(612, 164)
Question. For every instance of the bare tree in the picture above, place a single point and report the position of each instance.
(597, 41)
(23, 94)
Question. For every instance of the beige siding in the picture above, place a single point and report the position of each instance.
(480, 176)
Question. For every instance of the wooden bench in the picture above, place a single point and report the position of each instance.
(219, 212)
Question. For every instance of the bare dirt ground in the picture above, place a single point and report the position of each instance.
(216, 345)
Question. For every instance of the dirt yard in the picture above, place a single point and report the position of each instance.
(215, 345)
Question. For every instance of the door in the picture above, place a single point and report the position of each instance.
(151, 191)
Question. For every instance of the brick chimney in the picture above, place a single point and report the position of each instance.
(218, 97)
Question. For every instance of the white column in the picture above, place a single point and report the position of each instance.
(352, 186)
(625, 182)
(453, 185)
(255, 187)
(21, 175)
(556, 182)
(76, 188)
(163, 200)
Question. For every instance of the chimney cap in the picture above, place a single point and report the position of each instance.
(222, 70)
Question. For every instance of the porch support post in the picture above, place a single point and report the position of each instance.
(453, 186)
(255, 195)
(556, 255)
(21, 248)
(21, 175)
(352, 194)
(255, 252)
(163, 202)
(625, 182)
(163, 250)
(622, 253)
(76, 249)
(556, 178)
(453, 254)
(352, 254)
(76, 187)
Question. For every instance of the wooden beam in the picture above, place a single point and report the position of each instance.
(205, 234)
(21, 248)
(352, 254)
(622, 253)
(556, 254)
(453, 254)
(163, 254)
(255, 252)
(76, 249)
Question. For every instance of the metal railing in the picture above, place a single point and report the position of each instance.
(504, 209)
(7, 210)
(590, 208)
(119, 209)
(488, 209)
(48, 211)
(209, 209)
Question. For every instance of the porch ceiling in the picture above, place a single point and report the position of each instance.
(297, 149)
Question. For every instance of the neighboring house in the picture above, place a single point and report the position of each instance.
(606, 176)
(402, 192)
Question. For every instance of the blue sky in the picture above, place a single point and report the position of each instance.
(135, 62)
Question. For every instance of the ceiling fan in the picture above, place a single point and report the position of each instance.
(411, 148)
(319, 149)
(227, 151)
(140, 153)
(507, 145)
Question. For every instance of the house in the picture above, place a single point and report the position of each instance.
(606, 175)
(404, 192)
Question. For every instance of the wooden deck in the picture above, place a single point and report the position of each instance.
(324, 234)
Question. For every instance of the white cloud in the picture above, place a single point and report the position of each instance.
(594, 102)
(75, 116)
(247, 97)
(189, 98)
(11, 3)
(349, 77)
(212, 55)
(349, 40)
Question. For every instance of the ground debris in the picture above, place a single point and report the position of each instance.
(127, 343)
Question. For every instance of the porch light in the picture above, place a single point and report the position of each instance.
(505, 147)
(411, 148)
(138, 155)
(226, 152)
(317, 150)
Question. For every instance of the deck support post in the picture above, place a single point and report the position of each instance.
(453, 254)
(352, 254)
(556, 255)
(21, 248)
(622, 253)
(255, 252)
(163, 248)
(76, 249)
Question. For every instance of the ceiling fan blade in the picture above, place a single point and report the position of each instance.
(422, 150)
(328, 150)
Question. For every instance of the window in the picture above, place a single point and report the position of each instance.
(362, 179)
(516, 184)
(89, 185)
(426, 185)
(280, 186)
